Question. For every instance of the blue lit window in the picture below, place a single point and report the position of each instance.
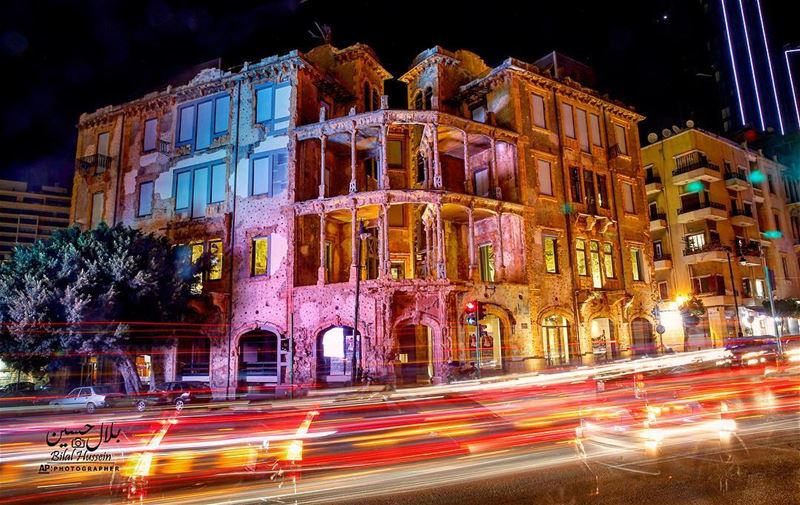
(272, 106)
(200, 122)
(268, 173)
(197, 186)
(145, 199)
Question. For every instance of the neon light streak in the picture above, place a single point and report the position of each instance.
(733, 61)
(752, 67)
(791, 82)
(769, 62)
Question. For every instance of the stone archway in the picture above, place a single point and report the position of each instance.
(258, 360)
(559, 343)
(334, 356)
(415, 362)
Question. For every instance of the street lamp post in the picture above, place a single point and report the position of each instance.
(356, 367)
(735, 297)
(771, 298)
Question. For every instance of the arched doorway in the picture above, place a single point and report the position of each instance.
(414, 354)
(258, 360)
(560, 346)
(335, 356)
(604, 339)
(642, 337)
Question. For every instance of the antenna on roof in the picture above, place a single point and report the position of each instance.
(323, 33)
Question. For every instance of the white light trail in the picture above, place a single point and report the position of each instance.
(752, 67)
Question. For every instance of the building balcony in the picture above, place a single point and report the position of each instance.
(695, 167)
(706, 210)
(742, 217)
(658, 222)
(713, 251)
(653, 185)
(160, 155)
(716, 300)
(93, 164)
(736, 181)
(758, 195)
(663, 262)
(749, 259)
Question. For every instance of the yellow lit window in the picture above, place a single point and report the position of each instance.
(608, 260)
(197, 250)
(594, 254)
(260, 253)
(580, 251)
(487, 262)
(550, 258)
(215, 248)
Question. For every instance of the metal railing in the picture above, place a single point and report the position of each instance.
(707, 247)
(691, 162)
(93, 164)
(745, 211)
(730, 174)
(702, 205)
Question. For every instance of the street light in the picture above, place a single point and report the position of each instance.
(735, 298)
(743, 261)
(362, 235)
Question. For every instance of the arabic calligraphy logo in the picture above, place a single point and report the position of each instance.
(78, 445)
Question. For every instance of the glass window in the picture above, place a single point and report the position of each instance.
(608, 260)
(539, 118)
(482, 182)
(695, 242)
(394, 153)
(421, 167)
(627, 198)
(264, 104)
(487, 262)
(760, 288)
(150, 135)
(186, 125)
(594, 123)
(282, 95)
(280, 175)
(575, 184)
(622, 138)
(569, 122)
(260, 253)
(98, 201)
(636, 265)
(269, 174)
(663, 291)
(259, 183)
(183, 190)
(217, 182)
(580, 252)
(222, 106)
(583, 130)
(550, 255)
(602, 191)
(204, 113)
(200, 192)
(545, 177)
(215, 249)
(594, 258)
(145, 199)
(102, 143)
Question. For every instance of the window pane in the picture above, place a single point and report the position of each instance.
(545, 180)
(583, 130)
(260, 254)
(217, 182)
(550, 260)
(594, 122)
(482, 182)
(264, 104)
(622, 141)
(594, 254)
(215, 248)
(145, 198)
(538, 111)
(221, 112)
(98, 200)
(636, 269)
(186, 126)
(487, 262)
(280, 180)
(200, 192)
(183, 188)
(580, 251)
(150, 132)
(602, 191)
(608, 260)
(569, 124)
(260, 182)
(282, 95)
(203, 138)
(394, 153)
(102, 143)
(627, 197)
(479, 114)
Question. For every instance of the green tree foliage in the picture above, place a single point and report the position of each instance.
(788, 307)
(81, 293)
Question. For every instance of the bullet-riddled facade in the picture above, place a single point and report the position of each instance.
(503, 185)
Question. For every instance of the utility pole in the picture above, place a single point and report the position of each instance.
(356, 370)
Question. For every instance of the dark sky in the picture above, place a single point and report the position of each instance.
(62, 58)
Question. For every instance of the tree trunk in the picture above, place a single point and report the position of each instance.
(127, 370)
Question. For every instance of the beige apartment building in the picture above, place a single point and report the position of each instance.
(30, 213)
(719, 214)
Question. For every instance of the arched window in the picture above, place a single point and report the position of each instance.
(421, 165)
(558, 344)
(428, 98)
(418, 100)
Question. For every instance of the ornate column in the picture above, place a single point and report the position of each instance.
(322, 143)
(501, 267)
(387, 260)
(468, 189)
(428, 247)
(384, 138)
(321, 271)
(353, 183)
(495, 183)
(441, 266)
(473, 267)
(437, 169)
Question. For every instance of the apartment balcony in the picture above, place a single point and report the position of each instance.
(736, 181)
(658, 222)
(758, 195)
(712, 211)
(695, 167)
(93, 164)
(662, 262)
(749, 259)
(160, 155)
(711, 252)
(716, 300)
(653, 185)
(742, 217)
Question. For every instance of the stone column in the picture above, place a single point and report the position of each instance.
(354, 242)
(501, 266)
(473, 267)
(441, 266)
(495, 183)
(437, 169)
(321, 270)
(387, 260)
(353, 183)
(322, 143)
(428, 247)
(384, 138)
(468, 189)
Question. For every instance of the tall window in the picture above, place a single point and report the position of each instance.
(770, 183)
(636, 265)
(260, 256)
(594, 124)
(583, 130)
(197, 251)
(103, 146)
(272, 105)
(627, 198)
(145, 199)
(150, 135)
(575, 184)
(622, 138)
(200, 122)
(580, 253)
(268, 173)
(608, 260)
(98, 201)
(215, 249)
(695, 241)
(545, 177)
(602, 191)
(777, 217)
(487, 262)
(539, 118)
(550, 254)
(482, 182)
(568, 121)
(196, 187)
(785, 267)
(761, 289)
(594, 260)
(663, 290)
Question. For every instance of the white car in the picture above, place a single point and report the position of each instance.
(88, 398)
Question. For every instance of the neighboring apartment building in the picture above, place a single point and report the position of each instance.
(28, 214)
(502, 185)
(715, 208)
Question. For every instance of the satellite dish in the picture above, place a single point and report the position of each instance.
(676, 129)
(666, 133)
(689, 124)
(652, 137)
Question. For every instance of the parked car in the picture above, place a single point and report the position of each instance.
(87, 398)
(178, 394)
(753, 351)
(17, 394)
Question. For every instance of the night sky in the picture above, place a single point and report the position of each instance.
(62, 58)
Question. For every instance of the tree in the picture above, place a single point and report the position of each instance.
(82, 292)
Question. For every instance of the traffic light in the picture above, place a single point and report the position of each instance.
(472, 310)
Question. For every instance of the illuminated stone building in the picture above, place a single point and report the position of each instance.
(714, 208)
(514, 186)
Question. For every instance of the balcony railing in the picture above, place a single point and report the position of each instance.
(655, 216)
(707, 247)
(745, 211)
(702, 205)
(691, 162)
(735, 175)
(750, 248)
(93, 164)
(652, 179)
